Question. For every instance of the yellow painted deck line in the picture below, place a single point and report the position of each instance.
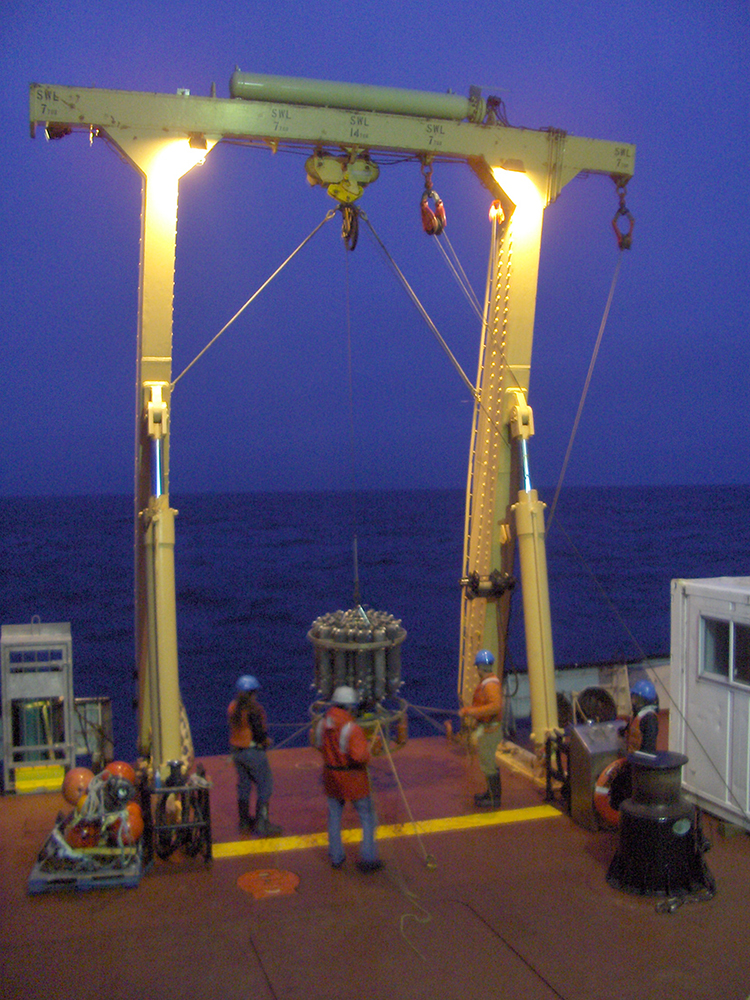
(270, 845)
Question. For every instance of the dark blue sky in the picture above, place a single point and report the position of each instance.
(268, 406)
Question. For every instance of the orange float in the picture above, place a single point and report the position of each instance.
(608, 815)
(128, 830)
(84, 834)
(121, 769)
(75, 783)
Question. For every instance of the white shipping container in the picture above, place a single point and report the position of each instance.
(709, 714)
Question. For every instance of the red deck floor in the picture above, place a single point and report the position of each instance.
(510, 909)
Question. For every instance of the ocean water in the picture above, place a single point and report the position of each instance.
(255, 570)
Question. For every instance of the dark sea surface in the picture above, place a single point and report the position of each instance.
(255, 570)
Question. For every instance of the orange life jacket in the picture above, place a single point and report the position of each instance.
(345, 754)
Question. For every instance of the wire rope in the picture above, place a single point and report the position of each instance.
(352, 454)
(293, 736)
(329, 215)
(584, 393)
(455, 266)
(421, 309)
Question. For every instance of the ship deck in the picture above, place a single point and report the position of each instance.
(512, 903)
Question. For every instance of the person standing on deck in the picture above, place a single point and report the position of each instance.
(640, 735)
(248, 741)
(345, 779)
(485, 713)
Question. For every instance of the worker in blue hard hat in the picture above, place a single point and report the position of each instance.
(642, 730)
(640, 735)
(485, 715)
(248, 742)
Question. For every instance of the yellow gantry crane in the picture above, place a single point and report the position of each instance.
(163, 136)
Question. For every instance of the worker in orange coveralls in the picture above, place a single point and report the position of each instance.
(345, 779)
(486, 713)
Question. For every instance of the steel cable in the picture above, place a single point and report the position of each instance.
(328, 217)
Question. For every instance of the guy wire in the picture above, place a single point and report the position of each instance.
(329, 215)
(584, 393)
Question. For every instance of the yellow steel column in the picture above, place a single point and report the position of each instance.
(529, 518)
(494, 519)
(161, 162)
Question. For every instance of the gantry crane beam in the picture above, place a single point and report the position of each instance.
(165, 135)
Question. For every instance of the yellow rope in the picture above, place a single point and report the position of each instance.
(380, 733)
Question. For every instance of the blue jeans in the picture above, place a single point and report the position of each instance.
(369, 821)
(253, 769)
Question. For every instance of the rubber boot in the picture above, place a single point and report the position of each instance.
(491, 798)
(243, 812)
(263, 827)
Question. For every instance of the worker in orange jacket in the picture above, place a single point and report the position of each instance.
(248, 742)
(345, 779)
(485, 714)
(640, 735)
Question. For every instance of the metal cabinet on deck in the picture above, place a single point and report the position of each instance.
(592, 746)
(37, 705)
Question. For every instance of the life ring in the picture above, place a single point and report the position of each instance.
(609, 816)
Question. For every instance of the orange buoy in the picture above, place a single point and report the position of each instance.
(75, 783)
(121, 769)
(608, 815)
(129, 829)
(83, 834)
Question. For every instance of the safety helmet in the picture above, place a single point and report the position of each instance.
(644, 690)
(484, 658)
(247, 683)
(345, 696)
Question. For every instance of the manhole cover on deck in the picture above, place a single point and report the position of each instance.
(268, 882)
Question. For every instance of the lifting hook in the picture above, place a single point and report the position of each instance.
(624, 239)
(433, 223)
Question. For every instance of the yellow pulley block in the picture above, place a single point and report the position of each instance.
(344, 178)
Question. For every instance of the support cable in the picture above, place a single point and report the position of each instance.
(587, 383)
(328, 217)
(423, 312)
(455, 266)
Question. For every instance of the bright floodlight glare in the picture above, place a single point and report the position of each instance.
(176, 158)
(519, 187)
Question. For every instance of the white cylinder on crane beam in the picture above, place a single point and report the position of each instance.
(355, 97)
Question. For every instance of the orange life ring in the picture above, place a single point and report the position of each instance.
(609, 816)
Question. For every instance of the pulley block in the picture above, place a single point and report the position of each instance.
(344, 178)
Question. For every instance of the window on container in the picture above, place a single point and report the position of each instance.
(715, 646)
(741, 659)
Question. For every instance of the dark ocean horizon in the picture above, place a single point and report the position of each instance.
(254, 570)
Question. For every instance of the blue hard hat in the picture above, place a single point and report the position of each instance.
(484, 658)
(644, 689)
(247, 683)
